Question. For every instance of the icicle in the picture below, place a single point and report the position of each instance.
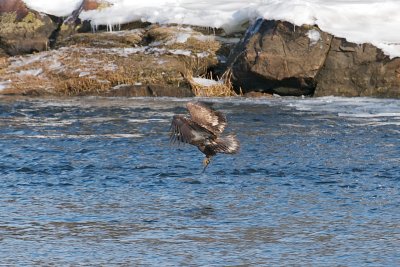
(93, 26)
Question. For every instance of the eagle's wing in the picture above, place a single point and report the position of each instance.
(212, 120)
(228, 144)
(187, 131)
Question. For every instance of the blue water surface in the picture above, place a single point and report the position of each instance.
(95, 182)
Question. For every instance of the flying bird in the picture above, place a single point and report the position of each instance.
(203, 129)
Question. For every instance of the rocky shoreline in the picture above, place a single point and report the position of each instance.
(46, 55)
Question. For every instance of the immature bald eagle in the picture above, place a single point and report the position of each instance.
(203, 129)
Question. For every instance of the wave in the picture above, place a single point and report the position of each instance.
(72, 136)
(370, 115)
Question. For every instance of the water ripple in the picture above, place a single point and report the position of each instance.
(94, 181)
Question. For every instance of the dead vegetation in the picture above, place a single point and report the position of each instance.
(93, 64)
(103, 39)
(222, 87)
(182, 38)
(78, 71)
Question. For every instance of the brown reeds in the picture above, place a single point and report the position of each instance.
(221, 88)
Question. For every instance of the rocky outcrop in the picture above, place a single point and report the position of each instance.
(22, 30)
(272, 57)
(72, 24)
(152, 61)
(358, 70)
(278, 57)
(25, 31)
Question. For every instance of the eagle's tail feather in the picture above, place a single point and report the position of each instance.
(228, 144)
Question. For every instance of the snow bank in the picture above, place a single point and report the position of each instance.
(359, 21)
(58, 8)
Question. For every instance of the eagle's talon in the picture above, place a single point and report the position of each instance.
(206, 161)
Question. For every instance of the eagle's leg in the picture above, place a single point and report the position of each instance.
(206, 161)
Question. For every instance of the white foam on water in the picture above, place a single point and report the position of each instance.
(369, 115)
(362, 110)
(149, 120)
(79, 136)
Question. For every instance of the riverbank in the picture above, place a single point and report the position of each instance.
(46, 55)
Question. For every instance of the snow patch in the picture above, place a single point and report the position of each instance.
(110, 67)
(202, 54)
(27, 60)
(55, 65)
(314, 36)
(180, 52)
(4, 85)
(84, 73)
(206, 82)
(31, 72)
(182, 37)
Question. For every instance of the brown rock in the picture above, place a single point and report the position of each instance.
(151, 90)
(278, 57)
(27, 34)
(170, 91)
(94, 4)
(90, 5)
(254, 94)
(17, 6)
(129, 91)
(358, 70)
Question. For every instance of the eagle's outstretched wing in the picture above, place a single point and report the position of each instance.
(212, 120)
(228, 144)
(187, 131)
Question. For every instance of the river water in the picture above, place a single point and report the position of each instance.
(94, 181)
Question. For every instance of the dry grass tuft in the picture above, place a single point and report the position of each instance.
(195, 42)
(197, 46)
(82, 86)
(223, 86)
(26, 85)
(102, 40)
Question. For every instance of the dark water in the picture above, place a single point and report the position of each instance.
(95, 182)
